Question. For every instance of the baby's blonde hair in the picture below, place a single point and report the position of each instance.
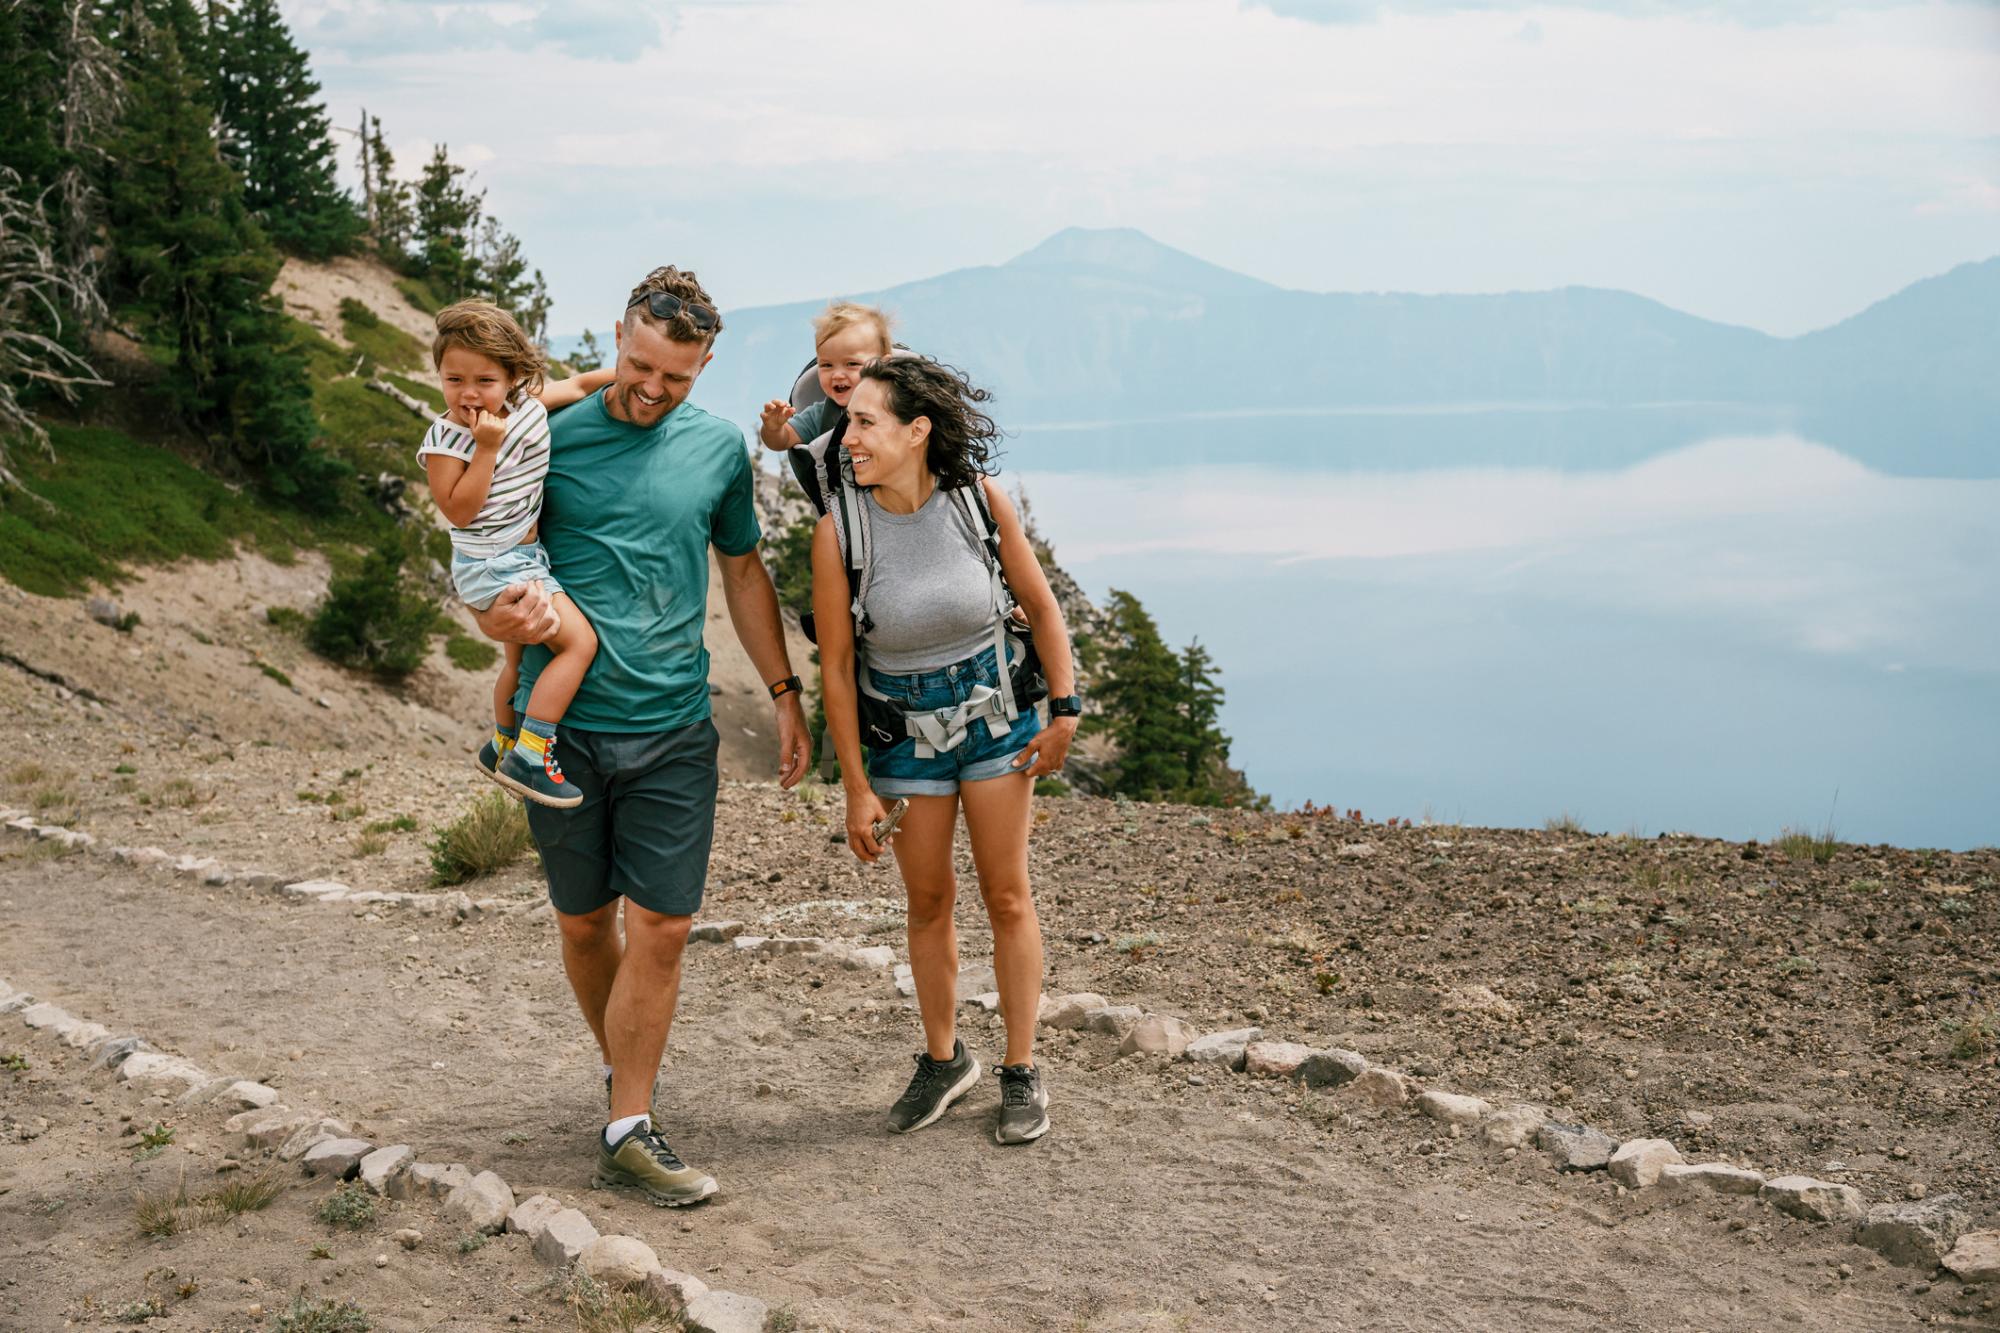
(485, 329)
(844, 315)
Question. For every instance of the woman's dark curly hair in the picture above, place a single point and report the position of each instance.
(960, 450)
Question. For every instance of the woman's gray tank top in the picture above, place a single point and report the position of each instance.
(929, 594)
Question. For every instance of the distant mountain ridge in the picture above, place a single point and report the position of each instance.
(1111, 325)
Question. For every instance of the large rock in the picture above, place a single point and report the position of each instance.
(1069, 1011)
(1222, 1048)
(1715, 1177)
(1976, 1257)
(83, 1034)
(867, 957)
(531, 1216)
(428, 1180)
(46, 1017)
(379, 1169)
(308, 1136)
(726, 1312)
(339, 1158)
(1157, 1034)
(271, 1128)
(1814, 1200)
(150, 1067)
(673, 1288)
(1454, 1109)
(1330, 1069)
(1576, 1147)
(1637, 1163)
(619, 1262)
(1918, 1234)
(243, 1095)
(481, 1203)
(564, 1236)
(1280, 1058)
(1513, 1127)
(1113, 1020)
(1380, 1086)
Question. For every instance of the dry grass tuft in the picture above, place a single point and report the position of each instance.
(490, 835)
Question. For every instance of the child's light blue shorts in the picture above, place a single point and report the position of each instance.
(479, 580)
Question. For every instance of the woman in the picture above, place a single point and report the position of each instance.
(947, 729)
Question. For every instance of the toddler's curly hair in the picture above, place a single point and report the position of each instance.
(485, 329)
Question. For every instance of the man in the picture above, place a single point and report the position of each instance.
(641, 483)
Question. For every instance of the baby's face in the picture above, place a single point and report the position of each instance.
(842, 356)
(470, 381)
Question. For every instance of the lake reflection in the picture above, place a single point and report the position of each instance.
(1716, 638)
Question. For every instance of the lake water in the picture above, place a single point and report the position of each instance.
(1679, 618)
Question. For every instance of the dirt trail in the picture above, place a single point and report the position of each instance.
(1153, 1204)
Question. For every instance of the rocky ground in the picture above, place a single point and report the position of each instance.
(1833, 1018)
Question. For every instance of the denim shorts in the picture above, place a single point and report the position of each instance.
(897, 771)
(480, 579)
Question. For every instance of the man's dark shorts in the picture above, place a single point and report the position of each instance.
(645, 825)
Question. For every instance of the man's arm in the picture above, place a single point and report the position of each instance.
(522, 613)
(753, 610)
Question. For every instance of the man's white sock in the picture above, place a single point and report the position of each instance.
(619, 1128)
(606, 1070)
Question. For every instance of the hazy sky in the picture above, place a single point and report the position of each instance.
(1776, 163)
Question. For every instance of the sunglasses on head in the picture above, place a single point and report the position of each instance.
(665, 305)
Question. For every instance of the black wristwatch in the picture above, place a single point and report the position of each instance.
(1068, 705)
(789, 685)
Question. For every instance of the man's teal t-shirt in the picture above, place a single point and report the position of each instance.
(628, 514)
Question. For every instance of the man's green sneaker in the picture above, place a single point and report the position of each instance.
(643, 1160)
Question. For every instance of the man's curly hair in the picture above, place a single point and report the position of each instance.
(680, 282)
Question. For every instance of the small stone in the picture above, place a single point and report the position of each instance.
(986, 1001)
(565, 1233)
(245, 1095)
(869, 957)
(1814, 1200)
(379, 1168)
(267, 1128)
(1576, 1147)
(1480, 1000)
(1280, 1058)
(1114, 1020)
(1715, 1177)
(619, 1262)
(1381, 1086)
(1976, 1257)
(409, 1238)
(155, 1067)
(309, 1135)
(1068, 1011)
(1454, 1109)
(428, 1180)
(1636, 1164)
(1157, 1034)
(1222, 1048)
(481, 1203)
(726, 1312)
(906, 981)
(339, 1158)
(1515, 1127)
(531, 1215)
(1330, 1068)
(83, 1035)
(381, 1261)
(227, 1165)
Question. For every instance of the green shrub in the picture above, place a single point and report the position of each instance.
(384, 344)
(275, 674)
(349, 1206)
(313, 1316)
(418, 292)
(1805, 845)
(287, 618)
(470, 654)
(489, 835)
(374, 619)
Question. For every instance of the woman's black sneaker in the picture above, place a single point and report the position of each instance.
(935, 1085)
(1024, 1104)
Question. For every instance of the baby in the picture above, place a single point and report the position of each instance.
(485, 459)
(848, 337)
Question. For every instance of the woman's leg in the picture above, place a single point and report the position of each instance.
(996, 817)
(923, 856)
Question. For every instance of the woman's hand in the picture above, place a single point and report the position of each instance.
(1049, 751)
(864, 811)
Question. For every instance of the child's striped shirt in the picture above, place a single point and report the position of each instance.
(515, 500)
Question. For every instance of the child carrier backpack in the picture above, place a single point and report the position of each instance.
(824, 473)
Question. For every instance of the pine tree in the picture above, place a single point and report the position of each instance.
(589, 353)
(1141, 698)
(1204, 747)
(390, 212)
(534, 311)
(447, 225)
(502, 268)
(193, 269)
(276, 134)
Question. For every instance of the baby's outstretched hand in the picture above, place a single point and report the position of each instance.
(777, 412)
(487, 430)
